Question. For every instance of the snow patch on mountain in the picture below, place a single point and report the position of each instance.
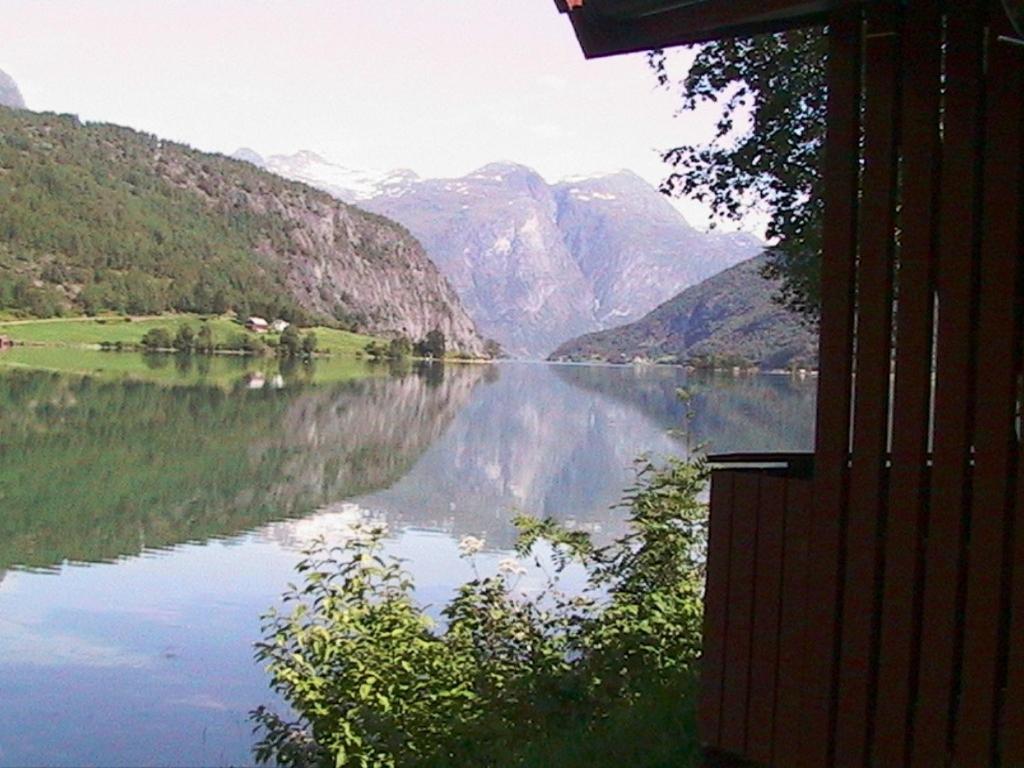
(347, 184)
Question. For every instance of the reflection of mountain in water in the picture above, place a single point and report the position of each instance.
(93, 470)
(729, 413)
(560, 442)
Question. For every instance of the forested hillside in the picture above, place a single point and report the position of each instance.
(729, 319)
(98, 217)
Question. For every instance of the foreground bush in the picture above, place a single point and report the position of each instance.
(598, 677)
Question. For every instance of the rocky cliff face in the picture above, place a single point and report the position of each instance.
(537, 264)
(10, 96)
(495, 235)
(634, 248)
(729, 319)
(534, 263)
(338, 256)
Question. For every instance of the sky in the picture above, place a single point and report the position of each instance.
(438, 86)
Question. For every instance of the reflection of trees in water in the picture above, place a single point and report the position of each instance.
(93, 470)
(730, 413)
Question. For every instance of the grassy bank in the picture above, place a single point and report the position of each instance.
(94, 331)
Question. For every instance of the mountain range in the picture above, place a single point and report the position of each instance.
(10, 96)
(729, 319)
(537, 263)
(99, 217)
(344, 183)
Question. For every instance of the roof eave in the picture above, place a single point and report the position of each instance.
(601, 35)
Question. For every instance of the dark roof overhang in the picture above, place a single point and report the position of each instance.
(608, 27)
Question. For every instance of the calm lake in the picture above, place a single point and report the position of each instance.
(152, 510)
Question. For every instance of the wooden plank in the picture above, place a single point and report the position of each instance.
(716, 601)
(834, 387)
(764, 656)
(1011, 713)
(998, 344)
(959, 231)
(742, 573)
(906, 521)
(868, 476)
(788, 733)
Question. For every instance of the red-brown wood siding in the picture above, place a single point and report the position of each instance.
(788, 731)
(764, 654)
(995, 438)
(866, 504)
(834, 388)
(906, 521)
(873, 613)
(959, 234)
(1010, 714)
(736, 677)
(716, 600)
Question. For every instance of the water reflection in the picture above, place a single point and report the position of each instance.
(196, 488)
(560, 441)
(93, 470)
(727, 413)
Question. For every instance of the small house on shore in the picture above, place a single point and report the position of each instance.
(6, 342)
(257, 325)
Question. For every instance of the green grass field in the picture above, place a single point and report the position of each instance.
(93, 331)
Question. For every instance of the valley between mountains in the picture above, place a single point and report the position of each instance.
(537, 263)
(98, 218)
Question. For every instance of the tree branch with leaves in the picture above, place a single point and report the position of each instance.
(767, 147)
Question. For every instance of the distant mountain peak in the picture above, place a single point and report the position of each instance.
(397, 182)
(249, 156)
(623, 174)
(344, 183)
(10, 96)
(538, 263)
(402, 174)
(309, 156)
(586, 178)
(502, 168)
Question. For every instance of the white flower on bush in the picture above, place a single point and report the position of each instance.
(470, 545)
(511, 567)
(368, 530)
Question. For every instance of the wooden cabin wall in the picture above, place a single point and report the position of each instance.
(874, 615)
